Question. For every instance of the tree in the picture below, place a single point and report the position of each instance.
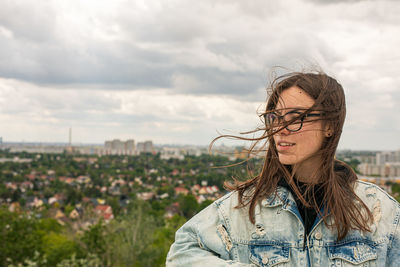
(164, 237)
(188, 205)
(114, 203)
(204, 204)
(57, 247)
(129, 239)
(19, 238)
(94, 239)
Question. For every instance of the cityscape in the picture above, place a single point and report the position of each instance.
(373, 164)
(83, 196)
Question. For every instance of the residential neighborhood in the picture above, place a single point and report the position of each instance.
(79, 205)
(81, 193)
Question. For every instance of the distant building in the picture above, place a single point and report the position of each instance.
(370, 169)
(104, 211)
(130, 146)
(74, 214)
(181, 190)
(387, 156)
(108, 145)
(392, 169)
(146, 195)
(140, 147)
(145, 147)
(118, 147)
(171, 210)
(170, 152)
(366, 159)
(89, 150)
(42, 148)
(389, 169)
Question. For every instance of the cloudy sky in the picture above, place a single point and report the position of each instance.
(180, 71)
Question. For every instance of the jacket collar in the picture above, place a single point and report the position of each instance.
(279, 198)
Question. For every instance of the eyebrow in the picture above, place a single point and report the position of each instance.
(290, 109)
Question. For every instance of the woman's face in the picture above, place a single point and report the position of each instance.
(299, 147)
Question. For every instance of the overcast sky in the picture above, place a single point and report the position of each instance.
(180, 71)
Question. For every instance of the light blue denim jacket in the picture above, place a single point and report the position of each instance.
(221, 235)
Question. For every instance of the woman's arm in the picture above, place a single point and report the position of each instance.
(202, 241)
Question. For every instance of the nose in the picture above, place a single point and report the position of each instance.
(284, 132)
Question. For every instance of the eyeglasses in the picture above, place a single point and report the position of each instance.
(273, 120)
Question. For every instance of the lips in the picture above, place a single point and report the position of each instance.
(285, 145)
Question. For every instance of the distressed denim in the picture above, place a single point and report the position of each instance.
(221, 235)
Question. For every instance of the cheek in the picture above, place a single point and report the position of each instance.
(310, 141)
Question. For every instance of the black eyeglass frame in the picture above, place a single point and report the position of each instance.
(280, 118)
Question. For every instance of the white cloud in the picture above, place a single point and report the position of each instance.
(151, 114)
(180, 70)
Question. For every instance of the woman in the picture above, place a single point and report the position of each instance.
(305, 208)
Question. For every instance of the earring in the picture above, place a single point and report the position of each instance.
(329, 134)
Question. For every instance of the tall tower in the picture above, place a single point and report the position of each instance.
(69, 148)
(70, 137)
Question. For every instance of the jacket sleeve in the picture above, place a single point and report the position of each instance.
(393, 255)
(202, 241)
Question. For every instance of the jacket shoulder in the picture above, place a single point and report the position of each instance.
(216, 213)
(383, 206)
(366, 190)
(229, 199)
(229, 205)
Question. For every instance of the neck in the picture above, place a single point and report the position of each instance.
(307, 171)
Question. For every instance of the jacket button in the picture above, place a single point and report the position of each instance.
(318, 235)
(265, 260)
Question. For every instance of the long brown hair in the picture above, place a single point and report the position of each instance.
(335, 177)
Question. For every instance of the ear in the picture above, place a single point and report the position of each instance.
(328, 129)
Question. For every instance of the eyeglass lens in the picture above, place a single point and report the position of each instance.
(273, 120)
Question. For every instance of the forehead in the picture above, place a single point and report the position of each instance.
(294, 97)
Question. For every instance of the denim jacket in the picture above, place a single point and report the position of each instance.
(221, 235)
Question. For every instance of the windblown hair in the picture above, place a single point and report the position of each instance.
(335, 178)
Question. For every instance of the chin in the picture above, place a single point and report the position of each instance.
(287, 159)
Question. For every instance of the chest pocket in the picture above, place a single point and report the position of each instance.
(269, 255)
(356, 253)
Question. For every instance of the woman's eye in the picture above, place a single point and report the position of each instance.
(292, 116)
(270, 118)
